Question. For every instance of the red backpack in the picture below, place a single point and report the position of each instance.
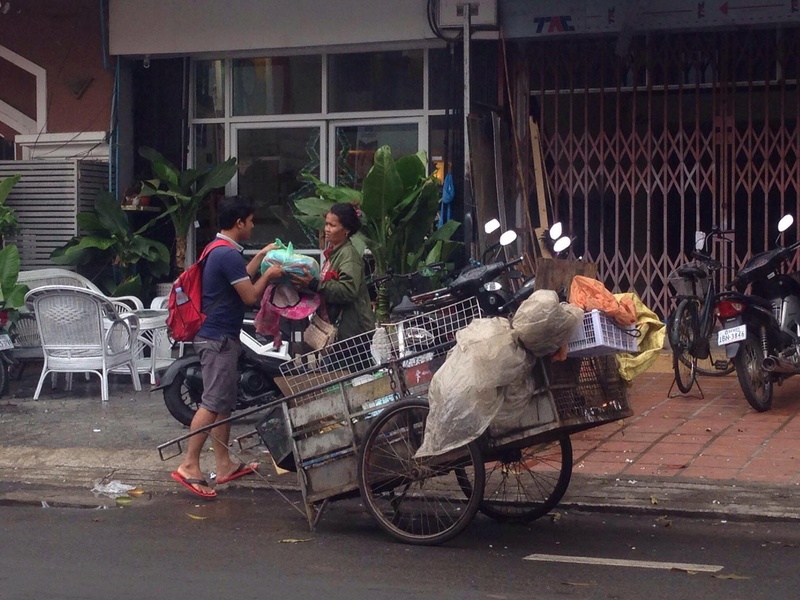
(185, 301)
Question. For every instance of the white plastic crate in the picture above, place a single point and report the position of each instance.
(600, 335)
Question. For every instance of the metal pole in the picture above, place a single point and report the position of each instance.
(468, 202)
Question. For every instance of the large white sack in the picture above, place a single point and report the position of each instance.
(466, 393)
(543, 324)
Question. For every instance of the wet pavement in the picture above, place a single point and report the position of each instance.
(705, 454)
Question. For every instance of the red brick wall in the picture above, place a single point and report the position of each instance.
(64, 38)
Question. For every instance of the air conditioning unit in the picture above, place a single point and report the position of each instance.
(483, 13)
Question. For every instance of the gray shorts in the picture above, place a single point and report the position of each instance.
(219, 363)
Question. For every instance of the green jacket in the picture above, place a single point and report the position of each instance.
(347, 297)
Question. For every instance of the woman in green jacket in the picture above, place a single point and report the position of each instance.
(342, 282)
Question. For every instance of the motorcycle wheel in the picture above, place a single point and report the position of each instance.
(181, 400)
(756, 383)
(4, 377)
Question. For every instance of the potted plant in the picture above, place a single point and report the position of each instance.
(183, 192)
(109, 240)
(399, 204)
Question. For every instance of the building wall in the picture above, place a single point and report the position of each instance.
(66, 39)
(157, 27)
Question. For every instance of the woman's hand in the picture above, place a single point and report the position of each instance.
(302, 281)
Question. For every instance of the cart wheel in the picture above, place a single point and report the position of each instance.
(523, 485)
(417, 501)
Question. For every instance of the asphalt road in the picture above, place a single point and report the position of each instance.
(252, 544)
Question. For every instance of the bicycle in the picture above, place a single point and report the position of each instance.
(693, 324)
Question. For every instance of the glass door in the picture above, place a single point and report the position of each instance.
(352, 145)
(271, 158)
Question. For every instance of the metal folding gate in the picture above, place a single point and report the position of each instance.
(649, 141)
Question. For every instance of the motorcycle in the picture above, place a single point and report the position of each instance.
(259, 365)
(761, 329)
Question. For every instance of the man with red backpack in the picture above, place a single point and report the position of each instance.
(230, 284)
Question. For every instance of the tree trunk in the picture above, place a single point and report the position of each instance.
(383, 304)
(180, 253)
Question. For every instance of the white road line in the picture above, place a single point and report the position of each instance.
(616, 562)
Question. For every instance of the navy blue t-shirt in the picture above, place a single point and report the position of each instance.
(224, 309)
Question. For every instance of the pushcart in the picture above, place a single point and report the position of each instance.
(354, 416)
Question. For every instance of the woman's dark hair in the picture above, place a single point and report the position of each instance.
(347, 215)
(232, 208)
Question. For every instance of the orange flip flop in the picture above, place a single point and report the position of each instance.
(189, 483)
(240, 471)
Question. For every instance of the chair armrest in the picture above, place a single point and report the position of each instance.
(122, 333)
(126, 303)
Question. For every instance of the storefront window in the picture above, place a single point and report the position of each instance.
(445, 78)
(270, 163)
(375, 81)
(209, 89)
(277, 85)
(209, 150)
(356, 146)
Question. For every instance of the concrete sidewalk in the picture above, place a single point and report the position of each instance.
(682, 455)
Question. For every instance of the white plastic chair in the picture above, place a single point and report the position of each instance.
(64, 277)
(81, 332)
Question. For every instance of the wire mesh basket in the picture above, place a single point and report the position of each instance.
(690, 279)
(587, 392)
(412, 341)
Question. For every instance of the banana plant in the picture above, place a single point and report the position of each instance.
(109, 239)
(8, 220)
(12, 294)
(399, 203)
(183, 192)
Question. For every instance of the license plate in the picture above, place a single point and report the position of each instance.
(5, 342)
(734, 334)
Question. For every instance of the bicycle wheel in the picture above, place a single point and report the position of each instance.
(682, 337)
(417, 501)
(526, 484)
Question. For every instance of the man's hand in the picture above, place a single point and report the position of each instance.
(267, 248)
(273, 273)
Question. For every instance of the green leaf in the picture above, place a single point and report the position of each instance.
(382, 187)
(411, 169)
(6, 184)
(313, 206)
(9, 269)
(129, 287)
(110, 214)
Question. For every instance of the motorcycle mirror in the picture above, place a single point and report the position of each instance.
(556, 230)
(508, 237)
(491, 226)
(514, 274)
(561, 244)
(785, 222)
(699, 240)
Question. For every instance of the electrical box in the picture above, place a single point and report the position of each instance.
(483, 13)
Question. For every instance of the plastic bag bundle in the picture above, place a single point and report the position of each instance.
(468, 390)
(543, 324)
(292, 263)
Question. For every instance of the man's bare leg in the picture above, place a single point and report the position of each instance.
(190, 467)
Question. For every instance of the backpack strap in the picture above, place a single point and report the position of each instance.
(217, 243)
